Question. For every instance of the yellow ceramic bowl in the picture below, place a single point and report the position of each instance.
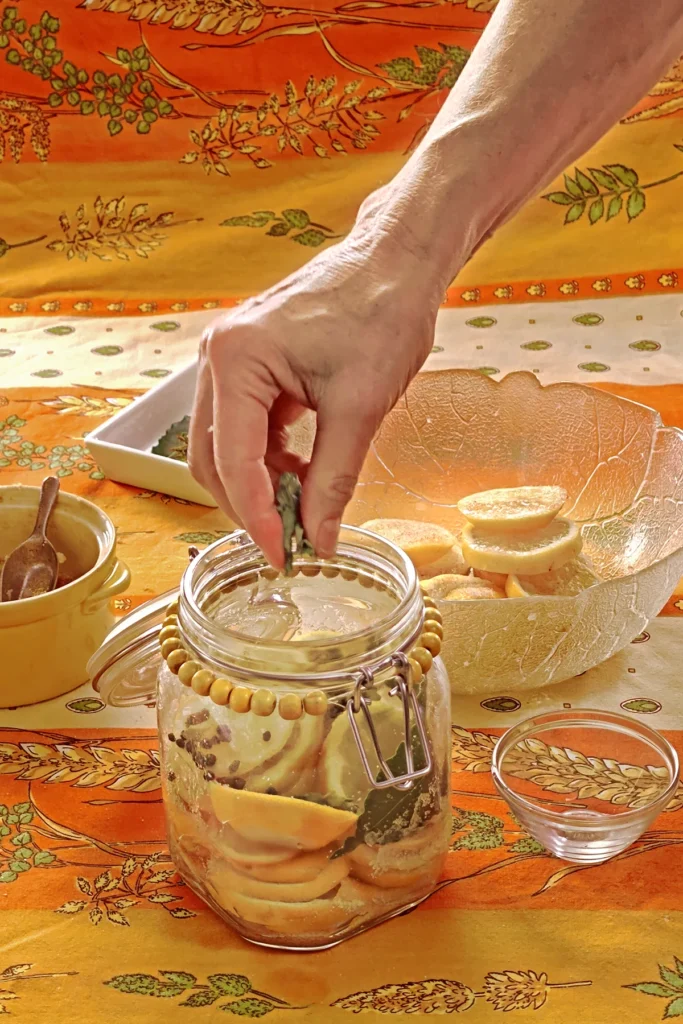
(457, 432)
(46, 641)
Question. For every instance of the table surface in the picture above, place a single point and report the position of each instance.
(121, 237)
(93, 917)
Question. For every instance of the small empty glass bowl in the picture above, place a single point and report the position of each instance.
(586, 784)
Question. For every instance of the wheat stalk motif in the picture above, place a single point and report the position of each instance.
(563, 770)
(135, 771)
(112, 231)
(505, 990)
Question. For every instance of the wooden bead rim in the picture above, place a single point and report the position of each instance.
(263, 702)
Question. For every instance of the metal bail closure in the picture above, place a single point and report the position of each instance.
(359, 702)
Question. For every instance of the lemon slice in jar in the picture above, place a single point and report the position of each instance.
(239, 743)
(226, 880)
(302, 867)
(369, 866)
(313, 917)
(247, 854)
(408, 862)
(422, 542)
(342, 774)
(513, 508)
(285, 773)
(280, 820)
(529, 553)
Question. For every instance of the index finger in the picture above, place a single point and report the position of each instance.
(200, 446)
(241, 405)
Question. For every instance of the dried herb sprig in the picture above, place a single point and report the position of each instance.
(174, 443)
(288, 502)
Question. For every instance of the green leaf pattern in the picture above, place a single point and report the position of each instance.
(619, 184)
(234, 991)
(18, 452)
(282, 225)
(19, 852)
(670, 988)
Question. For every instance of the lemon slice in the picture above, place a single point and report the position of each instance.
(321, 917)
(371, 865)
(513, 587)
(246, 741)
(571, 579)
(529, 553)
(497, 578)
(422, 542)
(226, 880)
(245, 853)
(453, 587)
(342, 774)
(438, 586)
(285, 773)
(408, 862)
(452, 562)
(487, 593)
(303, 867)
(513, 508)
(280, 820)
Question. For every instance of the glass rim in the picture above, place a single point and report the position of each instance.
(400, 627)
(530, 726)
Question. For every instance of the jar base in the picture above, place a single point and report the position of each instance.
(366, 927)
(295, 944)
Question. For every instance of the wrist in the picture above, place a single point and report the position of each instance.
(386, 242)
(439, 208)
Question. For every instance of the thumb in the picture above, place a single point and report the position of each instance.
(343, 436)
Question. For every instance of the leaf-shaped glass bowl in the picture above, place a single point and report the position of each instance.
(456, 432)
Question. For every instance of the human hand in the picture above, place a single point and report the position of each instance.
(343, 336)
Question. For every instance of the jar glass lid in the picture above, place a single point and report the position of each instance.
(124, 669)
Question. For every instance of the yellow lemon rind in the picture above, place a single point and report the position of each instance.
(528, 554)
(513, 508)
(280, 820)
(422, 542)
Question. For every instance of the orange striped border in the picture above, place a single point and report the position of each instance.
(648, 282)
(105, 307)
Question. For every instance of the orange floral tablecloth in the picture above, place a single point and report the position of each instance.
(94, 920)
(164, 158)
(140, 138)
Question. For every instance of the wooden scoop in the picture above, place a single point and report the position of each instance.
(31, 569)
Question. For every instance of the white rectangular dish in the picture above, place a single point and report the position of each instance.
(122, 447)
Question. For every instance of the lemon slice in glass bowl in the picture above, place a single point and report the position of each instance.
(529, 553)
(568, 581)
(455, 587)
(423, 543)
(513, 508)
(452, 562)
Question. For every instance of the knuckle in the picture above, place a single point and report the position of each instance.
(339, 488)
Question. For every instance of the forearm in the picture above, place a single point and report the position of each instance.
(545, 82)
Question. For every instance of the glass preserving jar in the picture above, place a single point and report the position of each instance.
(304, 727)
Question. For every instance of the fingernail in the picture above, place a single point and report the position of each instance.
(327, 537)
